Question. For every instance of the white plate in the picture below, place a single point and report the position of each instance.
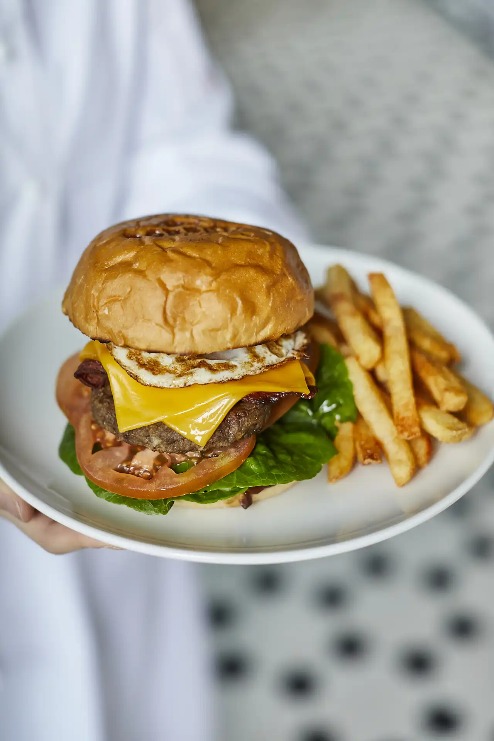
(311, 520)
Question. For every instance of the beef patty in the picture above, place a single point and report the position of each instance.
(246, 418)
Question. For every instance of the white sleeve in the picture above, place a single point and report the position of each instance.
(183, 154)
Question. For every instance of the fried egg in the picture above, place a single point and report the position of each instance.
(176, 371)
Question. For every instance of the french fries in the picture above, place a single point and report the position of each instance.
(360, 336)
(380, 373)
(406, 391)
(324, 330)
(422, 449)
(366, 306)
(373, 409)
(427, 338)
(444, 386)
(479, 409)
(342, 463)
(367, 445)
(444, 426)
(396, 357)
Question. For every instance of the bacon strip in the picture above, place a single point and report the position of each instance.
(91, 373)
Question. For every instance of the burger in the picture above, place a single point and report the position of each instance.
(197, 382)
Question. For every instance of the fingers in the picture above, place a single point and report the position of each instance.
(51, 536)
(14, 505)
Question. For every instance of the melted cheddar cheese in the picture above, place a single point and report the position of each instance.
(193, 411)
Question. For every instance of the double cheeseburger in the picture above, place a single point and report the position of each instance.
(196, 346)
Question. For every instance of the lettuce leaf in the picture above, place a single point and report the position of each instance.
(334, 400)
(293, 449)
(297, 446)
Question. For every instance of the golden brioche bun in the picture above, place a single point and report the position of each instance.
(188, 285)
(267, 493)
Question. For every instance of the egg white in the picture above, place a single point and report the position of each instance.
(176, 371)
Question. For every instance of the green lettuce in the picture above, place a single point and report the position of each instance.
(293, 449)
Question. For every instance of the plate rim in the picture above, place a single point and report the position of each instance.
(277, 554)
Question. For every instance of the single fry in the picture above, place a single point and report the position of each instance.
(342, 463)
(366, 306)
(444, 386)
(396, 357)
(367, 445)
(427, 338)
(479, 409)
(373, 409)
(380, 373)
(324, 330)
(422, 449)
(360, 336)
(320, 296)
(444, 426)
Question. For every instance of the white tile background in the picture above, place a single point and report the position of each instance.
(382, 118)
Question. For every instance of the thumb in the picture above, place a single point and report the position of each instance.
(14, 505)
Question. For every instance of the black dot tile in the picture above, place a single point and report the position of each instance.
(377, 564)
(417, 662)
(350, 646)
(231, 666)
(299, 683)
(481, 547)
(220, 614)
(443, 720)
(318, 734)
(267, 581)
(439, 578)
(463, 627)
(331, 596)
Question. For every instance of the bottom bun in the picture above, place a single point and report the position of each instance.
(269, 491)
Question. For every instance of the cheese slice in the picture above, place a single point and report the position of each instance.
(193, 411)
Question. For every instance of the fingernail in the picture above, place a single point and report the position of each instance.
(9, 505)
(24, 510)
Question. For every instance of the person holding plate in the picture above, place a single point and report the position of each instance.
(106, 114)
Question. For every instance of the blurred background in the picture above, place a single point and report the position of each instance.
(381, 116)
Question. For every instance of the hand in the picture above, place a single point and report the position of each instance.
(47, 533)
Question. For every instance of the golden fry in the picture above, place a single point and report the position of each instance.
(380, 373)
(445, 387)
(422, 449)
(324, 330)
(479, 409)
(396, 357)
(366, 306)
(444, 426)
(360, 336)
(373, 409)
(427, 338)
(342, 463)
(367, 445)
(319, 295)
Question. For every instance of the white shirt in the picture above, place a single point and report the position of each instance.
(109, 109)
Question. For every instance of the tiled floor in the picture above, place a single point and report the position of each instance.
(382, 117)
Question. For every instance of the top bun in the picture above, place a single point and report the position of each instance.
(188, 285)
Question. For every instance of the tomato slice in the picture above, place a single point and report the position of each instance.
(100, 468)
(74, 400)
(73, 397)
